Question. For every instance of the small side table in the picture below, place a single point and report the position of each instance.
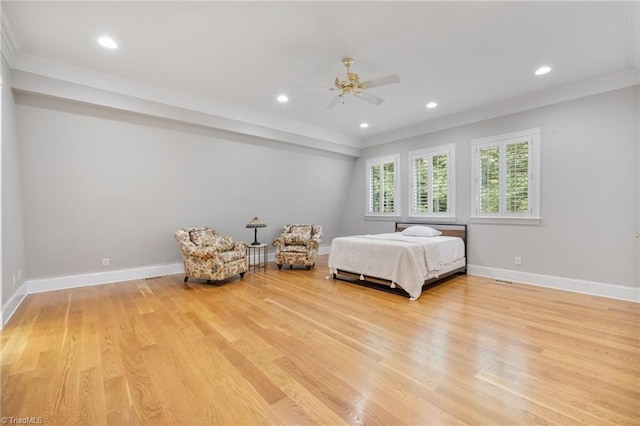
(257, 256)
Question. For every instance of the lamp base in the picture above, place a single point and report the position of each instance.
(255, 238)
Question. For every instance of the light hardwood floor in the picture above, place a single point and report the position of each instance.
(291, 347)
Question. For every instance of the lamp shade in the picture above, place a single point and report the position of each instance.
(256, 223)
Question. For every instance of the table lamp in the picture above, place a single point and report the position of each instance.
(255, 224)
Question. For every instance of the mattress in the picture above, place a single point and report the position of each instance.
(405, 261)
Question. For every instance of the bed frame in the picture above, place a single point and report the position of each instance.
(447, 229)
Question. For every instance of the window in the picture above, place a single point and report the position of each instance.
(383, 194)
(432, 182)
(506, 177)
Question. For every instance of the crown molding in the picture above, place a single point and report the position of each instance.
(37, 84)
(11, 40)
(96, 80)
(519, 104)
(244, 122)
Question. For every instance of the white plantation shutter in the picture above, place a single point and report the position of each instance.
(388, 188)
(431, 181)
(374, 188)
(517, 177)
(382, 186)
(421, 184)
(439, 183)
(490, 179)
(506, 169)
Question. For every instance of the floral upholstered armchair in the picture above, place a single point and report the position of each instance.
(298, 245)
(210, 256)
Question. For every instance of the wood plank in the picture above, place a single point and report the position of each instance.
(292, 347)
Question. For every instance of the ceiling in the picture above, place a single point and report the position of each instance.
(240, 56)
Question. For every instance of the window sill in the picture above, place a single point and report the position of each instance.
(529, 221)
(393, 218)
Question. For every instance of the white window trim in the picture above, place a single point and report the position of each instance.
(532, 218)
(450, 150)
(395, 158)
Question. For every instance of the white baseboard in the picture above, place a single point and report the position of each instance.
(10, 307)
(83, 280)
(72, 281)
(611, 291)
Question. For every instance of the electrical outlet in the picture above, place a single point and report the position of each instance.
(518, 260)
(105, 262)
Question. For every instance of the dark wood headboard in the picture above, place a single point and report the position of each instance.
(447, 229)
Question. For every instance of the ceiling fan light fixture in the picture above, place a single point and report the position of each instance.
(543, 70)
(354, 86)
(431, 105)
(283, 99)
(107, 42)
(364, 125)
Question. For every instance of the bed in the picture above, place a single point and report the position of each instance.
(399, 263)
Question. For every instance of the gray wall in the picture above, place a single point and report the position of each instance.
(589, 190)
(13, 253)
(100, 183)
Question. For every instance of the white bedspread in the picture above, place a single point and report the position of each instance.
(405, 261)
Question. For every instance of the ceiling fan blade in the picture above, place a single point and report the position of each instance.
(334, 102)
(313, 88)
(368, 97)
(382, 81)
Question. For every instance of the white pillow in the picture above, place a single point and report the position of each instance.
(421, 231)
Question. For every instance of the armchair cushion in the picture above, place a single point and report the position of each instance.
(203, 236)
(210, 238)
(200, 252)
(220, 243)
(231, 255)
(295, 249)
(297, 234)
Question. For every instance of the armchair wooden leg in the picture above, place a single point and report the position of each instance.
(308, 267)
(290, 266)
(241, 274)
(186, 279)
(279, 266)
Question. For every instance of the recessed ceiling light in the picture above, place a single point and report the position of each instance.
(543, 70)
(283, 98)
(364, 125)
(432, 105)
(107, 42)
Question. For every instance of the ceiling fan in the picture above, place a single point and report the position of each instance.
(353, 85)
